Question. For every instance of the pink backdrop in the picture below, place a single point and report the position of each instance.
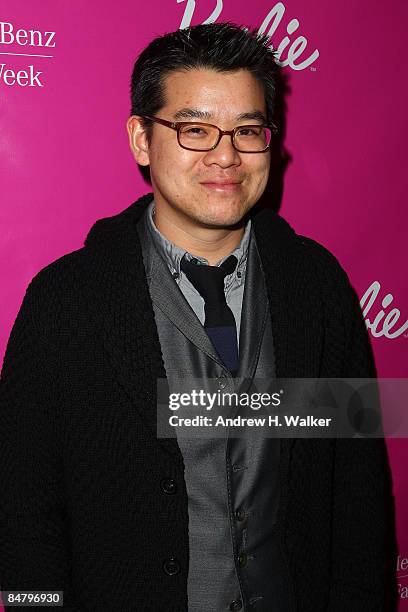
(64, 157)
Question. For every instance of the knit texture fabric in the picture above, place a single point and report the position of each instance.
(83, 508)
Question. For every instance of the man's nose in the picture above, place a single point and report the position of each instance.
(224, 153)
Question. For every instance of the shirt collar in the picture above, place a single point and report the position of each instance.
(173, 254)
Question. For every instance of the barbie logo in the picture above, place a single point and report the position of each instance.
(273, 20)
(383, 322)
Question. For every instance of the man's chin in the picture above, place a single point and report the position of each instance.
(222, 216)
(221, 221)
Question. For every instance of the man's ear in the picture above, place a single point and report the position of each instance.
(138, 140)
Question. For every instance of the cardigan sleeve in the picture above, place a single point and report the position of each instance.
(33, 534)
(363, 532)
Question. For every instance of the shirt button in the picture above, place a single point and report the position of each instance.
(240, 514)
(171, 566)
(242, 559)
(239, 274)
(236, 605)
(168, 486)
(175, 275)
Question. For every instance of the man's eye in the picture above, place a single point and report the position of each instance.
(195, 131)
(248, 132)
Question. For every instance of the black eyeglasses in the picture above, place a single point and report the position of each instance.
(206, 136)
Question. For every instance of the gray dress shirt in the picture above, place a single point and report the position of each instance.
(234, 283)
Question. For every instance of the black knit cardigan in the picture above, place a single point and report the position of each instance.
(82, 508)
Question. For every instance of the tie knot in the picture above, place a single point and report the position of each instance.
(208, 279)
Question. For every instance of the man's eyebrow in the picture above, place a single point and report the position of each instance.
(196, 113)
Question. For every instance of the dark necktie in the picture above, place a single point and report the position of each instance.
(219, 320)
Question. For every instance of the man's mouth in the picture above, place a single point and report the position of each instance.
(222, 185)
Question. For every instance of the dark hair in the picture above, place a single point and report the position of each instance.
(224, 47)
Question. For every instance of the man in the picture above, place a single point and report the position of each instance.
(94, 503)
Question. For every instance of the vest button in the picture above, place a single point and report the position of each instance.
(168, 486)
(242, 559)
(222, 382)
(236, 605)
(240, 514)
(171, 566)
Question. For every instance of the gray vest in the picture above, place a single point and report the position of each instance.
(232, 483)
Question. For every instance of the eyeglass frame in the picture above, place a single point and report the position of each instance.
(177, 125)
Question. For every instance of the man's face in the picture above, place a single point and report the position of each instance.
(181, 178)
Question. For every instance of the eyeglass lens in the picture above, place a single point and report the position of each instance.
(200, 137)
